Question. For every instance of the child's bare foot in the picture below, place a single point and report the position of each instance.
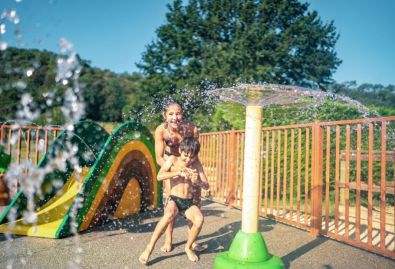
(191, 255)
(166, 247)
(144, 257)
(197, 247)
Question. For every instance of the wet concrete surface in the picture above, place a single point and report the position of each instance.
(118, 244)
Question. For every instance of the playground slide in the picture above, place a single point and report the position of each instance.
(121, 181)
(51, 214)
(90, 139)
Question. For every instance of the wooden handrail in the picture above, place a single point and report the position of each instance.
(377, 155)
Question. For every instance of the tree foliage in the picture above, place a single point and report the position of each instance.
(214, 43)
(274, 41)
(371, 95)
(32, 71)
(232, 116)
(203, 44)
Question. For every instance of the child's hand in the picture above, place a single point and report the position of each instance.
(207, 194)
(193, 175)
(188, 173)
(183, 172)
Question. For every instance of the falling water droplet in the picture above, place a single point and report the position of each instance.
(29, 72)
(3, 45)
(29, 217)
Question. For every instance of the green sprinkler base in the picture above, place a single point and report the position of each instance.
(247, 251)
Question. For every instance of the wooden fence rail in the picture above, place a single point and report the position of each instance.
(330, 178)
(23, 141)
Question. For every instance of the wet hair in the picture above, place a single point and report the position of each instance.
(170, 103)
(190, 146)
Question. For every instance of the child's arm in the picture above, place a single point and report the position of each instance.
(165, 171)
(159, 146)
(196, 132)
(203, 179)
(203, 182)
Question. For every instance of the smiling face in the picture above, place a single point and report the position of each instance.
(173, 115)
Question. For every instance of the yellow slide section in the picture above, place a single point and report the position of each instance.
(51, 214)
(130, 202)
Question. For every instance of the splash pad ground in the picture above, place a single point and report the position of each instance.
(118, 244)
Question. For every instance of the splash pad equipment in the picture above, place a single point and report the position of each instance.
(117, 178)
(248, 249)
(5, 160)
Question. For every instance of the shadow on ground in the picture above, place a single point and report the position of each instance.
(144, 222)
(218, 241)
(287, 259)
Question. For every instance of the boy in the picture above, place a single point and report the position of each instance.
(183, 173)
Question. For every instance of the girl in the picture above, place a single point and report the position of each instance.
(167, 140)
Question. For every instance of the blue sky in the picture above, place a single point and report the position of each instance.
(113, 34)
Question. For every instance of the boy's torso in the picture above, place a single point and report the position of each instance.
(180, 186)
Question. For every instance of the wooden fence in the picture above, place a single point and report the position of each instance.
(27, 142)
(331, 178)
(23, 143)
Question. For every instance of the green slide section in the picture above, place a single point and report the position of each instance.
(52, 213)
(89, 137)
(129, 131)
(109, 163)
(5, 160)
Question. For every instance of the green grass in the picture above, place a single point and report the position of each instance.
(108, 126)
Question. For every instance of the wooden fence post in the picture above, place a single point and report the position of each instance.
(232, 170)
(316, 184)
(2, 134)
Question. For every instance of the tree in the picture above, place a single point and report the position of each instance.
(376, 96)
(25, 71)
(32, 71)
(221, 42)
(274, 41)
(114, 101)
(93, 84)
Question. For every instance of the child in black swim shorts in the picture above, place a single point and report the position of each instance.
(182, 179)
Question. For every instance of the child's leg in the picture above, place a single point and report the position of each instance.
(167, 246)
(195, 245)
(196, 196)
(194, 215)
(171, 211)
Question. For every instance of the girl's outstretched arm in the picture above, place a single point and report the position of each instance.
(159, 146)
(165, 171)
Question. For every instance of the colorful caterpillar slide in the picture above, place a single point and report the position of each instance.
(116, 178)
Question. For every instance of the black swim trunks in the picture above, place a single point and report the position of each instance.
(181, 203)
